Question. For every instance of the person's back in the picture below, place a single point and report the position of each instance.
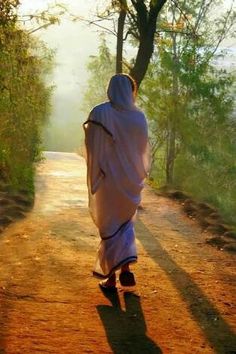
(128, 129)
(117, 160)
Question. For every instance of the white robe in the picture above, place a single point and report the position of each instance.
(118, 161)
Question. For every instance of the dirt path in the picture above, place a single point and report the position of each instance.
(50, 303)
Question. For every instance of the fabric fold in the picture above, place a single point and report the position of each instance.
(117, 164)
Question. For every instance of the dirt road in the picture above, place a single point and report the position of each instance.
(50, 303)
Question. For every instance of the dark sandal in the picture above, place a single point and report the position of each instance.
(127, 278)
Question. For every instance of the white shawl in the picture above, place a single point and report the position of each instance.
(116, 140)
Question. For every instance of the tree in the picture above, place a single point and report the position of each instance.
(141, 25)
(24, 99)
(8, 12)
(145, 20)
(43, 19)
(190, 105)
(120, 34)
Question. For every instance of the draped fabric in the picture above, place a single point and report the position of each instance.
(117, 164)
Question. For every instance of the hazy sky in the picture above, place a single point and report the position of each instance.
(73, 41)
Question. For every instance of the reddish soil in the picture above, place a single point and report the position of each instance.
(50, 303)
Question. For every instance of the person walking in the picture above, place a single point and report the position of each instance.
(117, 155)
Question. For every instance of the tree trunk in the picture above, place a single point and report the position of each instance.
(170, 159)
(119, 43)
(146, 22)
(171, 144)
(143, 57)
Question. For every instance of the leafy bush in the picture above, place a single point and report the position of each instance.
(24, 99)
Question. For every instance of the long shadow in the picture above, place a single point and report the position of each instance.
(216, 329)
(126, 330)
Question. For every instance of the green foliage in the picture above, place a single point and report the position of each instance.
(101, 68)
(8, 15)
(190, 106)
(24, 100)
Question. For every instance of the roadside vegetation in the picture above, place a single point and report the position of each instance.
(188, 99)
(24, 100)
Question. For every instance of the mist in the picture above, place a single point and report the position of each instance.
(73, 43)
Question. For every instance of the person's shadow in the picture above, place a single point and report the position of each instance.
(126, 330)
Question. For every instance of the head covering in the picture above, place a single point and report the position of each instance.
(120, 92)
(116, 138)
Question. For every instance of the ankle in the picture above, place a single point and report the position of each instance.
(125, 268)
(112, 278)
